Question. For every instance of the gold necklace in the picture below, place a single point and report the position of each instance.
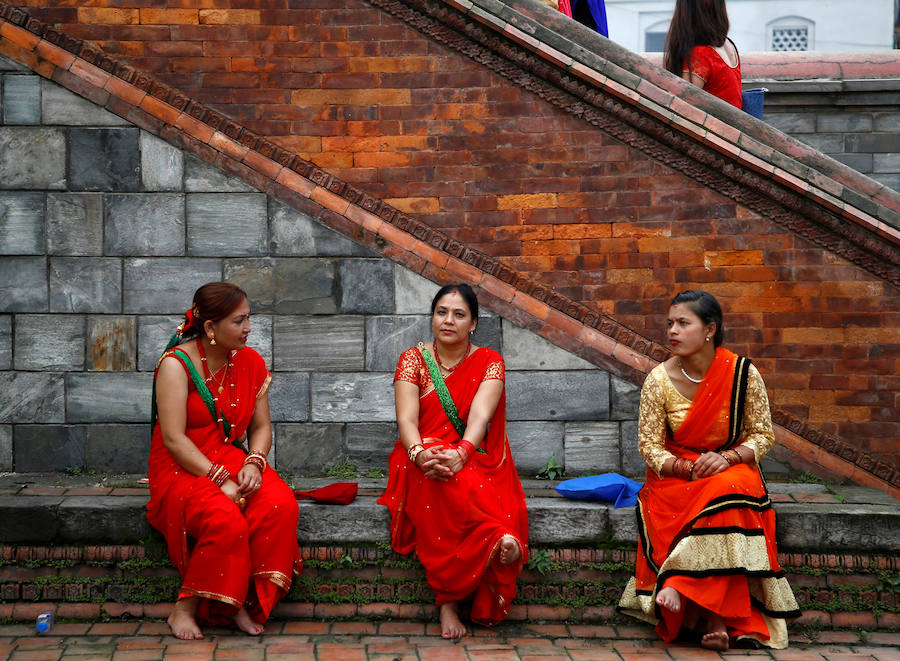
(224, 376)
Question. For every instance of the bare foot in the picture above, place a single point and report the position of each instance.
(670, 599)
(245, 624)
(451, 626)
(509, 550)
(715, 640)
(182, 622)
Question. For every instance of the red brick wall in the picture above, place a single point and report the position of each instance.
(437, 135)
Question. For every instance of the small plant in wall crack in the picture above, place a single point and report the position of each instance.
(539, 561)
(345, 470)
(552, 471)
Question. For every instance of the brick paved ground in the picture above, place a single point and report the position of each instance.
(408, 641)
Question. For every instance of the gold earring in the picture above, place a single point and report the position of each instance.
(212, 339)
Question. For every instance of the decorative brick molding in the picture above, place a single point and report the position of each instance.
(809, 202)
(575, 584)
(113, 553)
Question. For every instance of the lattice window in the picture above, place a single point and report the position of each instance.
(791, 33)
(784, 39)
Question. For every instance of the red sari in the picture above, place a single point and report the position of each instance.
(455, 527)
(719, 78)
(711, 539)
(229, 557)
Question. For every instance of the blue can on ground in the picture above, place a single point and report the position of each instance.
(44, 622)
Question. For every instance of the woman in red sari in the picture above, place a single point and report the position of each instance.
(698, 49)
(453, 491)
(230, 522)
(707, 559)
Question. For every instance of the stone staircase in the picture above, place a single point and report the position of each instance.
(81, 545)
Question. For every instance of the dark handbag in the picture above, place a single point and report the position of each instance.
(752, 101)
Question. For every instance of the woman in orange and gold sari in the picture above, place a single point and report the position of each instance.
(229, 520)
(453, 492)
(707, 560)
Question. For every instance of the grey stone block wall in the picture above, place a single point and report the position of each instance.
(6, 445)
(49, 342)
(107, 230)
(22, 100)
(858, 128)
(49, 447)
(21, 223)
(5, 341)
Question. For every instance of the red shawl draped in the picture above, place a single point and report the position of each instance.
(455, 526)
(231, 558)
(707, 537)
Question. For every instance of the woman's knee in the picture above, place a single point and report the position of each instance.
(222, 522)
(280, 499)
(285, 506)
(233, 526)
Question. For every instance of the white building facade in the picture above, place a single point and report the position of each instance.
(766, 25)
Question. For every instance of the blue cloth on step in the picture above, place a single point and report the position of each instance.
(609, 487)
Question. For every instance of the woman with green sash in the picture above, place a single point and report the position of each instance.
(229, 520)
(453, 491)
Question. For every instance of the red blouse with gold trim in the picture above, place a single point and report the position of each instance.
(455, 527)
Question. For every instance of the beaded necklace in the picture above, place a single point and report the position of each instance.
(437, 357)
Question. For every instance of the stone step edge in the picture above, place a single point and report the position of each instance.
(828, 527)
(27, 612)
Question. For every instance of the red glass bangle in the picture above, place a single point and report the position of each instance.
(468, 449)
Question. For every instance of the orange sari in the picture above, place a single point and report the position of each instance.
(711, 539)
(455, 526)
(229, 557)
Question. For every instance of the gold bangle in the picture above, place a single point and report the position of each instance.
(258, 456)
(414, 451)
(733, 457)
(253, 459)
(683, 468)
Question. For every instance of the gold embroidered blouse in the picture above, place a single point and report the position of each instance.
(412, 368)
(662, 405)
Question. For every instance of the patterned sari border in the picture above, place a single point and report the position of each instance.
(724, 571)
(725, 530)
(721, 504)
(280, 579)
(738, 398)
(645, 544)
(265, 386)
(215, 596)
(781, 615)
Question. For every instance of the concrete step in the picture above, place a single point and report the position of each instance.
(54, 509)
